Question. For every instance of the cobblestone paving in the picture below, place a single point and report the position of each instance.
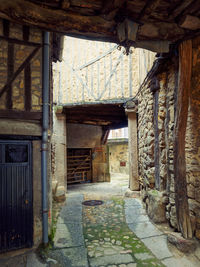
(108, 239)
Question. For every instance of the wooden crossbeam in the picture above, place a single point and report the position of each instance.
(111, 75)
(19, 70)
(97, 58)
(20, 42)
(23, 115)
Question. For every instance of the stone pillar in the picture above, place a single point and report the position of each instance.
(59, 155)
(132, 147)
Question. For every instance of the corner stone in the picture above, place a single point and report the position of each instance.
(184, 245)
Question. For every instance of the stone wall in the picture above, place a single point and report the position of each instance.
(156, 115)
(155, 130)
(118, 156)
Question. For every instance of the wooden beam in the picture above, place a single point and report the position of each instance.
(149, 7)
(28, 13)
(27, 74)
(10, 70)
(184, 81)
(10, 63)
(20, 42)
(180, 8)
(71, 22)
(19, 70)
(21, 115)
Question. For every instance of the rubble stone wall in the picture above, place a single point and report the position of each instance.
(156, 116)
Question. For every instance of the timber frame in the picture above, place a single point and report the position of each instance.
(9, 112)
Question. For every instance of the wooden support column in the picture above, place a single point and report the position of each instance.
(132, 147)
(10, 63)
(184, 80)
(27, 74)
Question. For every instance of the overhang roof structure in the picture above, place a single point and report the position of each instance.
(150, 24)
(110, 116)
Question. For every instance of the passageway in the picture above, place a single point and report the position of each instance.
(116, 233)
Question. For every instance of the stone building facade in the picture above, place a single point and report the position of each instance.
(157, 105)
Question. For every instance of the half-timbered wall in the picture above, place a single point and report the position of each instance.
(21, 99)
(20, 48)
(93, 71)
(157, 107)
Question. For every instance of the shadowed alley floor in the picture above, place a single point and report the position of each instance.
(117, 233)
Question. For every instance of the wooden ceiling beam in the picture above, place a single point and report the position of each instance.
(25, 12)
(98, 20)
(150, 6)
(180, 8)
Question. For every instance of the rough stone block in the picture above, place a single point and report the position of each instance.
(54, 186)
(173, 220)
(156, 206)
(184, 245)
(60, 194)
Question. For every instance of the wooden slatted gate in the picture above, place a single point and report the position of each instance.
(16, 200)
(79, 165)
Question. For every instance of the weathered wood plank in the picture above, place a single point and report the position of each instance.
(180, 8)
(20, 115)
(181, 199)
(74, 22)
(54, 19)
(10, 64)
(20, 42)
(27, 74)
(148, 8)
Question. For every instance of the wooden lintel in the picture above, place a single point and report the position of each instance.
(20, 42)
(30, 13)
(21, 115)
(184, 83)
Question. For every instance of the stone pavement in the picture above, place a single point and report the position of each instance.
(117, 233)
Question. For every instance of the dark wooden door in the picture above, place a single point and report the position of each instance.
(16, 204)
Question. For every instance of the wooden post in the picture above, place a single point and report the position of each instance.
(184, 80)
(132, 145)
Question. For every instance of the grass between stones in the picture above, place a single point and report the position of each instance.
(106, 233)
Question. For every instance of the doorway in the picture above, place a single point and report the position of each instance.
(79, 165)
(16, 197)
